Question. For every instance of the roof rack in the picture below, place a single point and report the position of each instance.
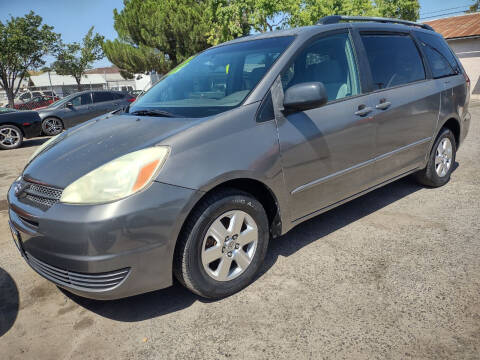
(335, 19)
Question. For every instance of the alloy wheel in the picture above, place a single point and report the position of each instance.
(443, 157)
(52, 126)
(229, 245)
(9, 137)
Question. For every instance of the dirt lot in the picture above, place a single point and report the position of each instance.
(394, 274)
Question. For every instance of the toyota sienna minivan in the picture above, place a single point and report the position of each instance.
(234, 147)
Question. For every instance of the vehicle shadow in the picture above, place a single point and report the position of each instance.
(9, 302)
(34, 142)
(175, 298)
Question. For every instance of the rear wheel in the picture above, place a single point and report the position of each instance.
(52, 126)
(11, 137)
(441, 161)
(222, 245)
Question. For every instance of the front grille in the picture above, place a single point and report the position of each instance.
(80, 281)
(46, 196)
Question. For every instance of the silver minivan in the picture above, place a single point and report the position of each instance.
(235, 147)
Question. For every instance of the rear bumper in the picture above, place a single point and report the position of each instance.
(105, 251)
(32, 130)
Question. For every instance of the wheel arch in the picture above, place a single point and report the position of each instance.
(259, 190)
(55, 117)
(453, 124)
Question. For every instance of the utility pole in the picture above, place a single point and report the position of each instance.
(50, 81)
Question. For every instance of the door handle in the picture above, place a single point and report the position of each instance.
(383, 105)
(363, 110)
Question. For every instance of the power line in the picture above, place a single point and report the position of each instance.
(442, 10)
(441, 15)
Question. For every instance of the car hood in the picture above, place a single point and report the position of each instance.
(98, 141)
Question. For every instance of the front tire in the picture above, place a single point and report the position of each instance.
(52, 126)
(440, 162)
(11, 137)
(222, 245)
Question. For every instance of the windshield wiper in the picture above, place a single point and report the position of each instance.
(153, 112)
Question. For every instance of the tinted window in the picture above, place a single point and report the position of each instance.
(439, 56)
(102, 96)
(394, 60)
(118, 95)
(83, 99)
(215, 80)
(329, 60)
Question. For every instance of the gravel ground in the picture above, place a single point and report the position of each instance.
(393, 274)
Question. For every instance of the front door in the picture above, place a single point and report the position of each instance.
(79, 111)
(327, 152)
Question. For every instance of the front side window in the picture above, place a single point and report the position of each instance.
(329, 60)
(215, 80)
(394, 60)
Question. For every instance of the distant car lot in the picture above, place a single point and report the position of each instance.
(393, 274)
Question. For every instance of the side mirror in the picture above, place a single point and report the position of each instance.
(69, 105)
(305, 96)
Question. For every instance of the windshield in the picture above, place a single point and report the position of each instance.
(213, 81)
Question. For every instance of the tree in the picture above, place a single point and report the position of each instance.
(24, 41)
(157, 34)
(475, 7)
(308, 12)
(74, 59)
(233, 18)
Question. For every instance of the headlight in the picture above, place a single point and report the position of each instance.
(118, 178)
(43, 146)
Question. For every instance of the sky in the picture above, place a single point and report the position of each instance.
(73, 18)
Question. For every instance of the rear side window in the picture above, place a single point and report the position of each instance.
(394, 60)
(439, 56)
(83, 99)
(117, 96)
(102, 96)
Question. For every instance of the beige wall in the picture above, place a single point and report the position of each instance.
(468, 51)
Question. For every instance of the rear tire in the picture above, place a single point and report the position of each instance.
(11, 137)
(440, 162)
(222, 245)
(52, 126)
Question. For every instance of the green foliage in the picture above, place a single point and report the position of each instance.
(74, 59)
(474, 8)
(157, 34)
(307, 12)
(24, 41)
(233, 18)
(160, 34)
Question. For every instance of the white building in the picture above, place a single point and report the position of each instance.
(463, 35)
(64, 85)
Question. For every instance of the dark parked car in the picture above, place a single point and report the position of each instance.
(79, 107)
(16, 125)
(236, 146)
(36, 103)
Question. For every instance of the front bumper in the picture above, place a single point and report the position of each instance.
(105, 251)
